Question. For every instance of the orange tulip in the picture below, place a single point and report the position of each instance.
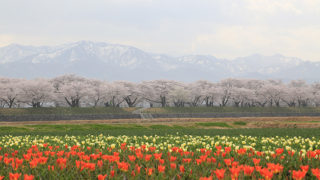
(123, 166)
(227, 162)
(50, 168)
(186, 160)
(149, 171)
(248, 170)
(100, 163)
(266, 173)
(298, 175)
(205, 178)
(132, 158)
(234, 172)
(157, 156)
(241, 151)
(148, 157)
(316, 172)
(28, 177)
(219, 173)
(304, 168)
(14, 176)
(256, 161)
(102, 177)
(275, 168)
(33, 163)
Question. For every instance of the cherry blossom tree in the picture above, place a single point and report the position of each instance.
(272, 92)
(180, 95)
(130, 92)
(315, 88)
(301, 91)
(225, 90)
(76, 91)
(241, 96)
(97, 92)
(114, 95)
(197, 92)
(157, 91)
(10, 91)
(71, 88)
(36, 92)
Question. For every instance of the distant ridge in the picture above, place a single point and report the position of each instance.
(119, 62)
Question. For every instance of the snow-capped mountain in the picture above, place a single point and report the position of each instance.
(120, 62)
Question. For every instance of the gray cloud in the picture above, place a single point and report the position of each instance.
(224, 29)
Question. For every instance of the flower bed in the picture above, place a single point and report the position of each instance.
(158, 157)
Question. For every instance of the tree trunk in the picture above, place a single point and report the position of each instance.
(163, 101)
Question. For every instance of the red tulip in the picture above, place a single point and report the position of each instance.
(173, 165)
(157, 156)
(161, 168)
(172, 158)
(316, 172)
(304, 168)
(182, 169)
(279, 151)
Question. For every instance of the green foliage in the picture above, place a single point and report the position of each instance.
(158, 126)
(240, 123)
(140, 130)
(216, 124)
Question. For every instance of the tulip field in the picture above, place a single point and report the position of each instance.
(159, 157)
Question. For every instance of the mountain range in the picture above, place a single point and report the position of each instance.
(120, 62)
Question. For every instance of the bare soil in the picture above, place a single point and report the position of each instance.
(251, 122)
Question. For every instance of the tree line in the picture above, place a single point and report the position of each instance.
(76, 91)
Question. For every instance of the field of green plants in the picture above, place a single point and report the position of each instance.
(198, 150)
(156, 129)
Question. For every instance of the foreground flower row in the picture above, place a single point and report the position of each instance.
(158, 157)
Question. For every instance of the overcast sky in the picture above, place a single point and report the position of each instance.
(225, 28)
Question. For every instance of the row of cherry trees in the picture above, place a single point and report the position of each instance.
(75, 91)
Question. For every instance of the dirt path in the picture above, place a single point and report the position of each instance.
(251, 122)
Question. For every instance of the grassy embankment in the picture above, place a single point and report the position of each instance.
(65, 110)
(233, 110)
(111, 110)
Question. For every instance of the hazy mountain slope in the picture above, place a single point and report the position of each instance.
(119, 62)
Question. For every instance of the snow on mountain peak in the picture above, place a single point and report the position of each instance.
(126, 62)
